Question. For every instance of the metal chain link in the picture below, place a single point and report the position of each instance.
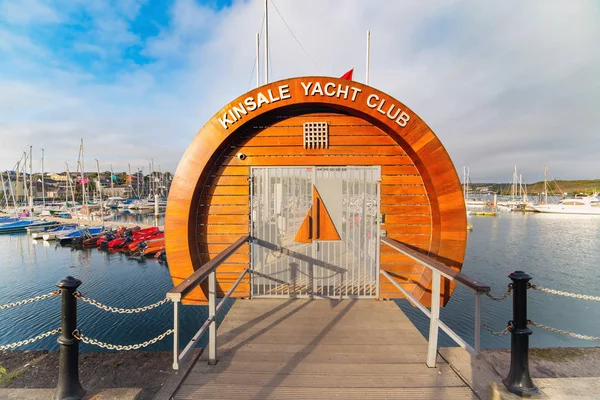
(503, 332)
(503, 297)
(566, 294)
(571, 334)
(119, 310)
(31, 300)
(79, 336)
(28, 341)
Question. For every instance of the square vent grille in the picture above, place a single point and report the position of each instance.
(316, 135)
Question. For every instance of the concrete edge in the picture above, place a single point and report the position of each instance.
(171, 385)
(45, 394)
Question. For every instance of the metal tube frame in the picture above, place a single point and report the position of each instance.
(211, 322)
(212, 315)
(435, 323)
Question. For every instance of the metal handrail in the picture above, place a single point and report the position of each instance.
(208, 270)
(439, 270)
(190, 283)
(432, 264)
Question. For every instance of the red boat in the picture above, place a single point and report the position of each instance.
(137, 235)
(134, 245)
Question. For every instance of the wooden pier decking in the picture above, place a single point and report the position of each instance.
(320, 349)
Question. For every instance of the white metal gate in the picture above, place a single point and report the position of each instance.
(316, 231)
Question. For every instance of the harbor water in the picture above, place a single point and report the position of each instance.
(558, 251)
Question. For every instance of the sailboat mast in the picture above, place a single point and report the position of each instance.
(31, 178)
(43, 187)
(266, 42)
(99, 180)
(69, 185)
(12, 192)
(130, 186)
(25, 179)
(368, 56)
(257, 59)
(545, 186)
(17, 184)
(83, 186)
(153, 183)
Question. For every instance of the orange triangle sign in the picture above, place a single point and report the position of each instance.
(317, 224)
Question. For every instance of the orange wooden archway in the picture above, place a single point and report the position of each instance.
(420, 144)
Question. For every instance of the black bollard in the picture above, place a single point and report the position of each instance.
(518, 380)
(68, 386)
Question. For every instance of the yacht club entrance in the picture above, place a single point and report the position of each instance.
(316, 231)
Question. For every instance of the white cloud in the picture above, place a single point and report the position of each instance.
(501, 83)
(25, 12)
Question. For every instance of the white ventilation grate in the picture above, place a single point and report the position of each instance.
(316, 135)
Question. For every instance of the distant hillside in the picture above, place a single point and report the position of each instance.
(570, 187)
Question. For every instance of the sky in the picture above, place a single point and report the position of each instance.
(501, 83)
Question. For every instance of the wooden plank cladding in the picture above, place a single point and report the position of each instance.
(420, 195)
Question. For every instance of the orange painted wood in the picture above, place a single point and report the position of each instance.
(240, 219)
(399, 170)
(330, 151)
(310, 160)
(209, 165)
(217, 248)
(261, 141)
(401, 180)
(394, 200)
(394, 209)
(225, 200)
(217, 239)
(241, 180)
(407, 219)
(402, 189)
(229, 229)
(231, 171)
(226, 190)
(223, 209)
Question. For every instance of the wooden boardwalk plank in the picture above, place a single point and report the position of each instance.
(320, 349)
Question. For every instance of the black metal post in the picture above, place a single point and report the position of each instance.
(68, 386)
(518, 380)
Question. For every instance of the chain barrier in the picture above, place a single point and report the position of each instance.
(571, 334)
(503, 297)
(28, 341)
(503, 332)
(566, 294)
(104, 307)
(80, 336)
(31, 300)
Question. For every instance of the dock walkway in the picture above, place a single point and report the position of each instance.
(320, 349)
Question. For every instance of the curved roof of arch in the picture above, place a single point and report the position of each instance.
(372, 105)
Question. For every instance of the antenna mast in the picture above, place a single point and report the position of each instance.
(266, 42)
(368, 56)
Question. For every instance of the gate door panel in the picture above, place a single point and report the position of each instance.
(316, 230)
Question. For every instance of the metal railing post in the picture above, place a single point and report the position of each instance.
(433, 322)
(212, 313)
(518, 380)
(175, 335)
(477, 339)
(68, 386)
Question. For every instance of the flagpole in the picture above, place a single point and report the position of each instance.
(257, 59)
(368, 55)
(266, 42)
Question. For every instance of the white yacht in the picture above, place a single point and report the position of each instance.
(589, 205)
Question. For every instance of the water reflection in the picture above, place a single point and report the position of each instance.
(559, 251)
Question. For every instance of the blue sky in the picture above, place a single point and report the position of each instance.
(501, 83)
